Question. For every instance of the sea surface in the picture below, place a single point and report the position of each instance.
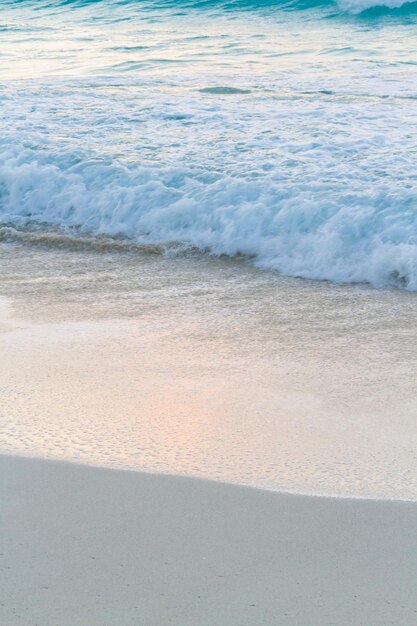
(281, 131)
(208, 239)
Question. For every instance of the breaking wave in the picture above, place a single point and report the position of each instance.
(308, 233)
(356, 7)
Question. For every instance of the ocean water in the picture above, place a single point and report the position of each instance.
(283, 132)
(208, 239)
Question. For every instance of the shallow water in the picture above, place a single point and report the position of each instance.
(211, 368)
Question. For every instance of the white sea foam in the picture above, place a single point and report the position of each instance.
(314, 231)
(230, 130)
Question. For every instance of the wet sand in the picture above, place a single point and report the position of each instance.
(208, 368)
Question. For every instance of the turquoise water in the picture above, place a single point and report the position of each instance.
(281, 131)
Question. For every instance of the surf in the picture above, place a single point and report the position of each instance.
(304, 230)
(280, 135)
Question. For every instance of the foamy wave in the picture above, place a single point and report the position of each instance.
(311, 233)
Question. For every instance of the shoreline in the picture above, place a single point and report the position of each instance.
(203, 479)
(92, 545)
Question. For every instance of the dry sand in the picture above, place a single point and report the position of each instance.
(93, 546)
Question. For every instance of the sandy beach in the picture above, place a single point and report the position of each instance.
(85, 545)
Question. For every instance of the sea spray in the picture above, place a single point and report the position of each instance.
(315, 232)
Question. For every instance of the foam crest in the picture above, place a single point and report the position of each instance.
(309, 232)
(359, 6)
